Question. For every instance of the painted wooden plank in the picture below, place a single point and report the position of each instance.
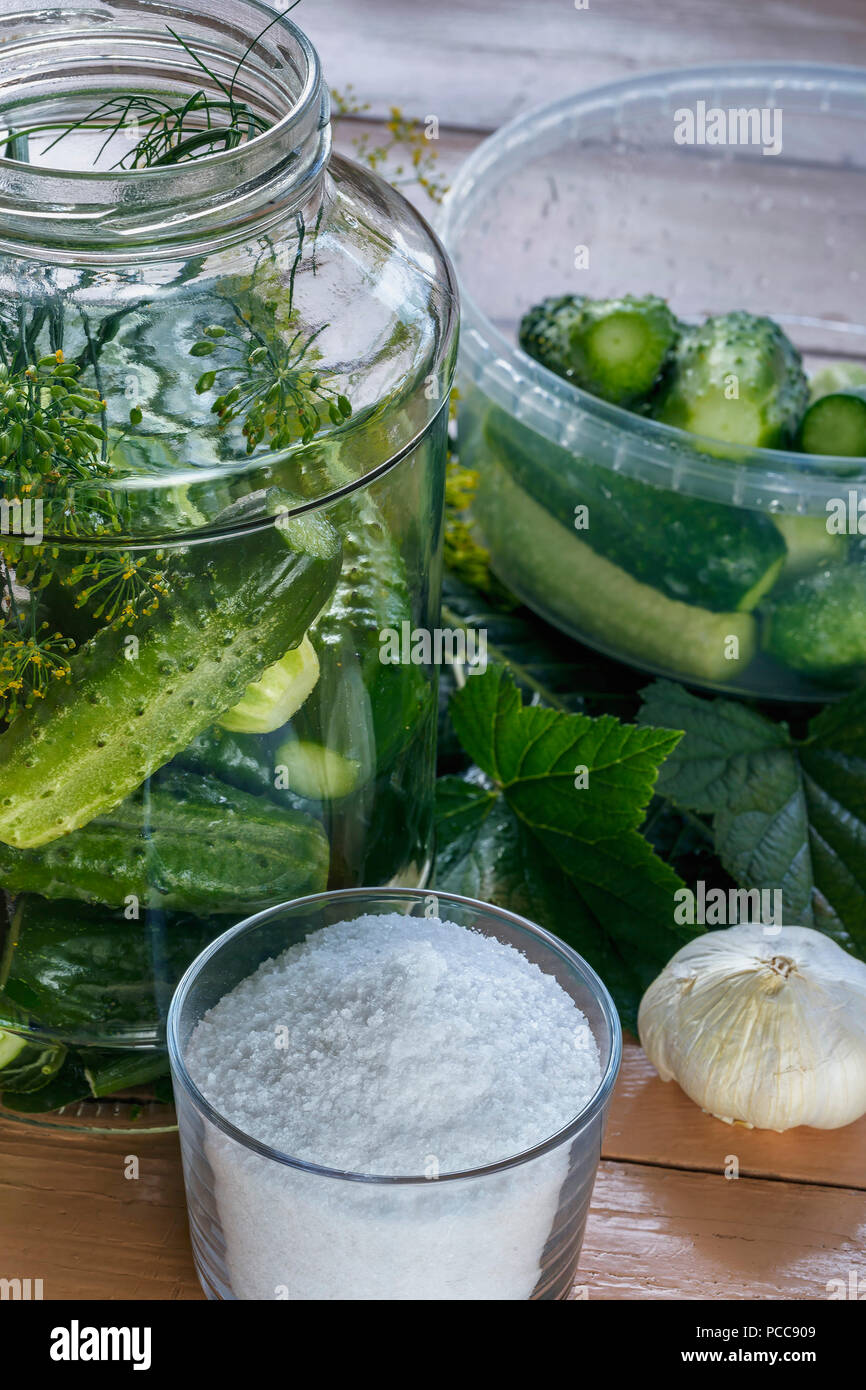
(655, 1122)
(478, 63)
(655, 1233)
(70, 1217)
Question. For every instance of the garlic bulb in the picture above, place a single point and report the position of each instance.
(764, 1028)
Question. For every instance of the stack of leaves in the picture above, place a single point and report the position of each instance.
(785, 813)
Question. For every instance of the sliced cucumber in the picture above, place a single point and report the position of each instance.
(836, 424)
(809, 544)
(270, 702)
(565, 578)
(11, 1046)
(317, 772)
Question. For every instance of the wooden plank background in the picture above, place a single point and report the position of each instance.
(665, 1220)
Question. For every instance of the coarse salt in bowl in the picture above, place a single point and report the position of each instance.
(385, 1094)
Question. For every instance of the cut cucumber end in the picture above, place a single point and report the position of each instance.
(809, 544)
(836, 424)
(271, 701)
(316, 772)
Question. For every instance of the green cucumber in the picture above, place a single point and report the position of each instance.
(818, 625)
(188, 844)
(244, 761)
(809, 544)
(836, 424)
(736, 378)
(270, 702)
(109, 1073)
(68, 1086)
(372, 596)
(85, 970)
(125, 712)
(715, 556)
(316, 771)
(570, 582)
(615, 348)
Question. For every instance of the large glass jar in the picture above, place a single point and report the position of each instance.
(226, 361)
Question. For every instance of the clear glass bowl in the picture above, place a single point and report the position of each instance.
(228, 383)
(593, 195)
(512, 1230)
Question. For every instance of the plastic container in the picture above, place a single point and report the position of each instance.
(593, 195)
(511, 1230)
(248, 463)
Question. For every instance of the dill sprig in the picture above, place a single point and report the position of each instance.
(45, 429)
(280, 395)
(272, 381)
(29, 665)
(125, 588)
(170, 131)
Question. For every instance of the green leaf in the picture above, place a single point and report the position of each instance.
(484, 852)
(786, 813)
(548, 826)
(539, 756)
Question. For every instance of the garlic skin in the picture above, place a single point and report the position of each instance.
(765, 1029)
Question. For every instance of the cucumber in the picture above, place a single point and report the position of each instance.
(316, 771)
(818, 625)
(836, 424)
(242, 604)
(808, 543)
(270, 702)
(243, 761)
(188, 844)
(704, 553)
(109, 1073)
(84, 970)
(568, 581)
(615, 348)
(736, 378)
(372, 595)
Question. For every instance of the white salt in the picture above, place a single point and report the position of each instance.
(391, 1045)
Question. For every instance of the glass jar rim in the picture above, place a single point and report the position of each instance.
(110, 212)
(570, 958)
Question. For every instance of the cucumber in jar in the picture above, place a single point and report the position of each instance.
(237, 607)
(187, 843)
(817, 625)
(714, 556)
(78, 969)
(736, 378)
(371, 599)
(573, 583)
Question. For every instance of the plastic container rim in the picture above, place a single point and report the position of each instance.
(503, 370)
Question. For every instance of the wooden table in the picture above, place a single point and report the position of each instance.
(669, 1218)
(666, 1220)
